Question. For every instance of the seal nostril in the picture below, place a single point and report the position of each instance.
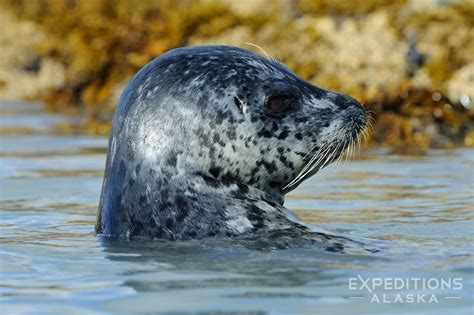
(355, 103)
(345, 101)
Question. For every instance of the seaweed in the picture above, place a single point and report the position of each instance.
(410, 62)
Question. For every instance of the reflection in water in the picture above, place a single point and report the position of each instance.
(221, 260)
(230, 273)
(417, 209)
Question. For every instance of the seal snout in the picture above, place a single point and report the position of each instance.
(345, 101)
(353, 111)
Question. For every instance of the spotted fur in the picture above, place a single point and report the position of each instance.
(195, 153)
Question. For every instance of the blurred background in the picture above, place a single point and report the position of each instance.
(63, 66)
(411, 62)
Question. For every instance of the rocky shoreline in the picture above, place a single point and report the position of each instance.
(410, 62)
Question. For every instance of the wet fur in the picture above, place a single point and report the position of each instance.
(194, 153)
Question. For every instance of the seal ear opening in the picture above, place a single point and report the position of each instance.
(239, 103)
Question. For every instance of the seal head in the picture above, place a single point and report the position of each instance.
(207, 141)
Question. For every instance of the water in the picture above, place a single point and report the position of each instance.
(51, 263)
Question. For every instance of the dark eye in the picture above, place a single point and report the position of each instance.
(278, 104)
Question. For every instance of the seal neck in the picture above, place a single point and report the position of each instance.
(247, 191)
(185, 206)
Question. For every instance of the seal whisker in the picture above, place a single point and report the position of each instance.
(331, 156)
(357, 140)
(327, 154)
(353, 148)
(364, 134)
(336, 162)
(347, 153)
(340, 159)
(354, 144)
(316, 159)
(318, 155)
(310, 151)
(358, 143)
(306, 166)
(262, 50)
(367, 130)
(370, 121)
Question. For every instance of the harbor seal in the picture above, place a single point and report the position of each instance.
(207, 140)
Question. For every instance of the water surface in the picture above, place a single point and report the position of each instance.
(51, 263)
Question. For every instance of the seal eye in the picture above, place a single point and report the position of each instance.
(278, 104)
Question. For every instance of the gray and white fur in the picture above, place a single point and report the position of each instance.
(197, 150)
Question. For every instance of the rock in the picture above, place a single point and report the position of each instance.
(23, 73)
(461, 87)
